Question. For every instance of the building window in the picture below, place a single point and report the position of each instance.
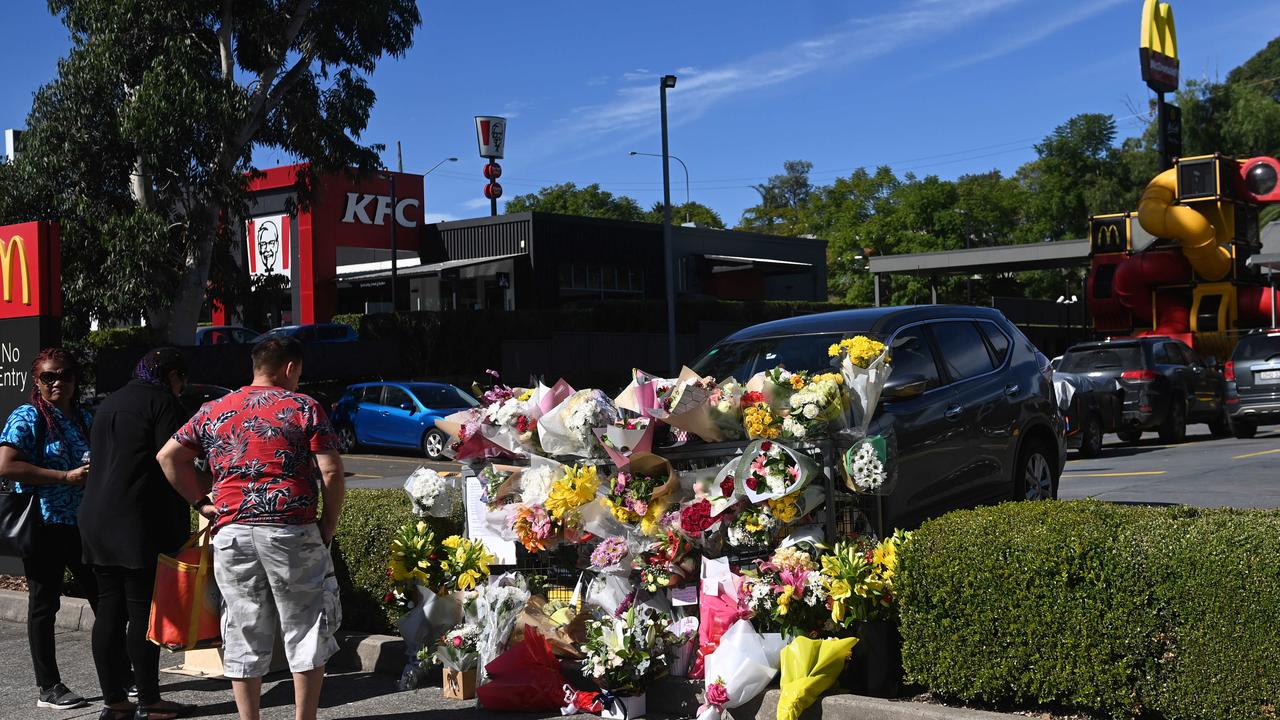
(600, 278)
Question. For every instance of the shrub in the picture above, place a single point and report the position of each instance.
(361, 550)
(1120, 610)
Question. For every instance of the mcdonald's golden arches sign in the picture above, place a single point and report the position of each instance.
(30, 271)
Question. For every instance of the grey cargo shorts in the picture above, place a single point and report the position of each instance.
(275, 578)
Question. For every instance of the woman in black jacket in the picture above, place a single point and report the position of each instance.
(129, 515)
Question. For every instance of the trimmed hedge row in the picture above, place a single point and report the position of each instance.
(361, 549)
(1128, 611)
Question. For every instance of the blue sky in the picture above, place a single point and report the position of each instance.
(931, 86)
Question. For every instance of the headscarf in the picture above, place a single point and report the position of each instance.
(155, 366)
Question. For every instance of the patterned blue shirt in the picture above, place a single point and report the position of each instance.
(58, 503)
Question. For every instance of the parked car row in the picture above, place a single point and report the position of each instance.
(312, 333)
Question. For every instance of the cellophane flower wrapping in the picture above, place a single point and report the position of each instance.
(641, 493)
(625, 653)
(495, 608)
(809, 668)
(511, 423)
(701, 406)
(611, 593)
(432, 614)
(870, 465)
(433, 494)
(525, 678)
(668, 563)
(745, 662)
(569, 428)
(817, 409)
(769, 469)
(457, 649)
(753, 527)
(785, 592)
(865, 365)
(718, 609)
(792, 508)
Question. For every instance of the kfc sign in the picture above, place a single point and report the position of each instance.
(374, 209)
(268, 241)
(491, 134)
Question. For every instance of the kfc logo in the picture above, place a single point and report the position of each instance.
(360, 206)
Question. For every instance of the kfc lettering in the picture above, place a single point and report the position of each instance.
(359, 206)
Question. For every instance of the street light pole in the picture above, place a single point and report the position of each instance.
(686, 178)
(395, 220)
(668, 81)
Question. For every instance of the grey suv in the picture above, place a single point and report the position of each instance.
(1253, 383)
(969, 400)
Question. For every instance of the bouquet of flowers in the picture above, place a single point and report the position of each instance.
(867, 466)
(464, 562)
(495, 608)
(414, 556)
(568, 494)
(777, 386)
(817, 409)
(754, 527)
(612, 555)
(499, 486)
(769, 469)
(626, 436)
(433, 494)
(467, 438)
(864, 363)
(534, 527)
(759, 418)
(568, 429)
(637, 493)
(790, 508)
(458, 649)
(702, 407)
(624, 654)
(668, 563)
(786, 592)
(858, 578)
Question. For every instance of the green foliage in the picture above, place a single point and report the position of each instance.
(362, 548)
(569, 199)
(690, 212)
(1097, 608)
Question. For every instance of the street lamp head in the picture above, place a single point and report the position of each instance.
(452, 159)
(668, 81)
(633, 153)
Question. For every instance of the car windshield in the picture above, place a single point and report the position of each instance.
(1258, 347)
(1089, 359)
(444, 396)
(743, 359)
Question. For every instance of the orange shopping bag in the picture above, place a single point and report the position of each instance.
(184, 616)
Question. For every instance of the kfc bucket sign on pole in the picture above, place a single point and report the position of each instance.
(491, 134)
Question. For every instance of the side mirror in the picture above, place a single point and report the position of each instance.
(904, 387)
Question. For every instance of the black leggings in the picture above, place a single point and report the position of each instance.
(120, 635)
(56, 549)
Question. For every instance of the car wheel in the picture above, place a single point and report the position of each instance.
(434, 443)
(347, 442)
(1035, 476)
(1129, 436)
(1091, 437)
(1174, 427)
(1222, 426)
(1243, 430)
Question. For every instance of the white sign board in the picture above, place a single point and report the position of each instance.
(491, 134)
(269, 239)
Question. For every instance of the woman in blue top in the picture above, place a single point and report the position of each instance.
(44, 449)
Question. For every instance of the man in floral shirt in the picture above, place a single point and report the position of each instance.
(272, 454)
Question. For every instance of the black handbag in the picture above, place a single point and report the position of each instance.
(19, 513)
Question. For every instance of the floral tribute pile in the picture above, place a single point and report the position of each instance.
(673, 561)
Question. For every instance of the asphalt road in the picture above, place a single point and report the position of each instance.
(1203, 471)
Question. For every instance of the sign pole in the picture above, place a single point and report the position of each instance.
(395, 251)
(493, 198)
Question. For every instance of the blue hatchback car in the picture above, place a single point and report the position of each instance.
(399, 415)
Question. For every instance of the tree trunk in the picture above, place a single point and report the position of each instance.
(177, 320)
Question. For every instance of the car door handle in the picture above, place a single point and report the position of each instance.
(1011, 390)
(953, 413)
(385, 413)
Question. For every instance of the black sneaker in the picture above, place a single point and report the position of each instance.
(59, 697)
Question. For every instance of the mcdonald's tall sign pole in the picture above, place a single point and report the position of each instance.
(30, 305)
(1158, 54)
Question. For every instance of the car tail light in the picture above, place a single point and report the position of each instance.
(1229, 371)
(1139, 375)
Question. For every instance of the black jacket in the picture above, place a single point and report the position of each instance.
(130, 513)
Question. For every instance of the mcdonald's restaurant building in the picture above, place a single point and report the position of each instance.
(334, 256)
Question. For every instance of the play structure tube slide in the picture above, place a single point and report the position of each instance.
(1161, 217)
(1136, 277)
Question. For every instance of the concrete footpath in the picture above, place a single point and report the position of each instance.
(361, 684)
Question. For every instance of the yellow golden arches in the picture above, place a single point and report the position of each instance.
(1158, 33)
(6, 275)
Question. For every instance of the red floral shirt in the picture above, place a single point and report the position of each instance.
(261, 443)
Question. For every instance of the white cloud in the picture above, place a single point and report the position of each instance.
(633, 111)
(1061, 20)
(476, 203)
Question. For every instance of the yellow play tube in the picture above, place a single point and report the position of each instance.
(1202, 240)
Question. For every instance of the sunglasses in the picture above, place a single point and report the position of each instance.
(49, 378)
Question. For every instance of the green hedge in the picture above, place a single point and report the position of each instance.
(361, 549)
(1126, 611)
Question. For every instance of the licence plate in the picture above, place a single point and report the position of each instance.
(1266, 377)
